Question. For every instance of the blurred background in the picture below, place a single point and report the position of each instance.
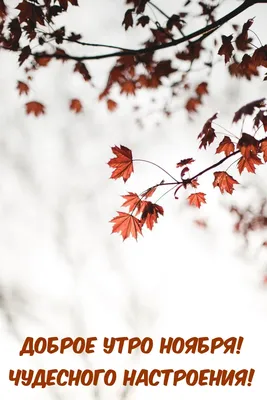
(61, 271)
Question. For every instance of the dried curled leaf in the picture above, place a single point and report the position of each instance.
(184, 162)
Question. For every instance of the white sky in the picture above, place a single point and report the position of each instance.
(63, 274)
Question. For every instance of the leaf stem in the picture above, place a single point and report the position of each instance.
(158, 166)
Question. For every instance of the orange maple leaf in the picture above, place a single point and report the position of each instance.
(202, 89)
(192, 104)
(122, 163)
(264, 149)
(81, 68)
(196, 199)
(34, 107)
(128, 87)
(112, 105)
(133, 201)
(248, 163)
(43, 61)
(224, 181)
(226, 146)
(127, 225)
(22, 88)
(76, 105)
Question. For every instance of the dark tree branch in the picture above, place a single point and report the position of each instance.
(205, 31)
(80, 42)
(189, 180)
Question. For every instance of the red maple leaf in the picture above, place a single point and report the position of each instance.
(133, 201)
(196, 199)
(34, 107)
(248, 163)
(143, 21)
(248, 109)
(259, 56)
(264, 149)
(126, 225)
(30, 11)
(226, 146)
(261, 117)
(246, 67)
(128, 87)
(64, 3)
(207, 135)
(3, 10)
(247, 145)
(128, 18)
(202, 89)
(82, 69)
(76, 105)
(242, 41)
(175, 20)
(192, 104)
(22, 88)
(150, 214)
(224, 181)
(226, 48)
(112, 105)
(122, 163)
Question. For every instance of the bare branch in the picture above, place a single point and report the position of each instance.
(205, 31)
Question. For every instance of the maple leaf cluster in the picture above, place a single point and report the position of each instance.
(250, 152)
(33, 25)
